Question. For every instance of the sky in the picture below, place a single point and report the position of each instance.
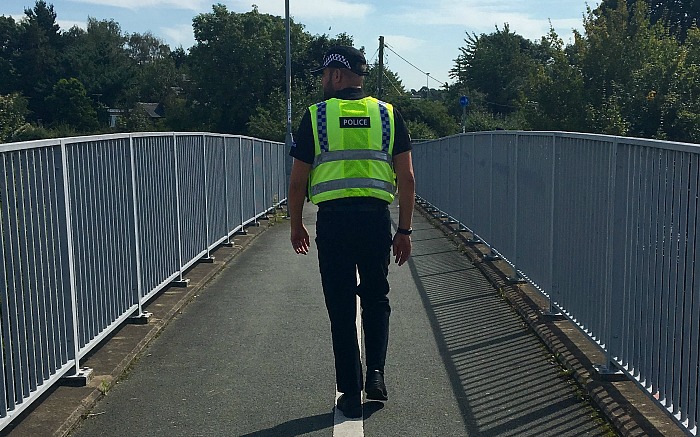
(423, 37)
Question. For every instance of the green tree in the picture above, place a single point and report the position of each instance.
(9, 44)
(683, 100)
(13, 112)
(37, 59)
(98, 58)
(71, 106)
(555, 93)
(238, 62)
(156, 72)
(497, 65)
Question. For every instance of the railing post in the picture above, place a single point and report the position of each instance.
(226, 194)
(181, 281)
(140, 316)
(78, 375)
(553, 309)
(491, 256)
(240, 174)
(516, 278)
(609, 370)
(208, 257)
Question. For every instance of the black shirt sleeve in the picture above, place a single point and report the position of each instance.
(402, 140)
(303, 147)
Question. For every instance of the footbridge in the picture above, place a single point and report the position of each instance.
(148, 287)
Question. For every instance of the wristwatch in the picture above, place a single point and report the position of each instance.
(404, 231)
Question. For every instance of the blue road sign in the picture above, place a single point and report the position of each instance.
(464, 100)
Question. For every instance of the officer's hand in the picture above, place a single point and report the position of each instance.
(300, 240)
(402, 248)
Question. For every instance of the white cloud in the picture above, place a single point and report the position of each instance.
(181, 35)
(194, 5)
(306, 10)
(484, 17)
(67, 24)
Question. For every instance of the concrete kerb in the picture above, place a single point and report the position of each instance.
(626, 407)
(207, 271)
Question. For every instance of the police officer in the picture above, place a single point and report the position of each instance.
(351, 152)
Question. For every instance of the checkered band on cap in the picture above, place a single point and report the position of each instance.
(322, 126)
(336, 57)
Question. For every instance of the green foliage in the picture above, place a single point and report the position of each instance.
(69, 105)
(429, 113)
(13, 111)
(497, 65)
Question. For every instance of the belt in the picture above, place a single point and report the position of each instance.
(352, 208)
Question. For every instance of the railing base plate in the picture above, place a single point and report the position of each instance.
(181, 283)
(140, 319)
(80, 379)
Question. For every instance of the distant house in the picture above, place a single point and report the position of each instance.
(154, 111)
(114, 114)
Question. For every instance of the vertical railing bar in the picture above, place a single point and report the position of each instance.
(689, 350)
(43, 280)
(101, 290)
(240, 174)
(205, 186)
(552, 218)
(71, 258)
(674, 376)
(25, 319)
(34, 283)
(226, 192)
(608, 334)
(8, 391)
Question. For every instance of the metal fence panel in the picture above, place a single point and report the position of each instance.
(606, 227)
(92, 227)
(232, 174)
(247, 180)
(103, 251)
(157, 209)
(216, 205)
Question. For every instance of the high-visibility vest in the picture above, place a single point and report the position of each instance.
(354, 144)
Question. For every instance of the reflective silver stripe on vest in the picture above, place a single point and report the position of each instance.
(342, 184)
(349, 155)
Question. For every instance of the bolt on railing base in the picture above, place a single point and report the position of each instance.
(80, 379)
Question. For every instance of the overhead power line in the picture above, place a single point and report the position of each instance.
(412, 65)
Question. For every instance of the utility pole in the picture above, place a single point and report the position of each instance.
(288, 141)
(380, 86)
(427, 86)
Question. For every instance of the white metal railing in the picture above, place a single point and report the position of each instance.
(92, 227)
(608, 228)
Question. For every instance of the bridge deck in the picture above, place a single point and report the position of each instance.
(251, 356)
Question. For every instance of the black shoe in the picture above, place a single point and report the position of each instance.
(374, 386)
(350, 405)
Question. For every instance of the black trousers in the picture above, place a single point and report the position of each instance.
(352, 242)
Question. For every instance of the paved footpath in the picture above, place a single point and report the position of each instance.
(251, 356)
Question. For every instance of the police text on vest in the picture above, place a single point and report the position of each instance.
(354, 122)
